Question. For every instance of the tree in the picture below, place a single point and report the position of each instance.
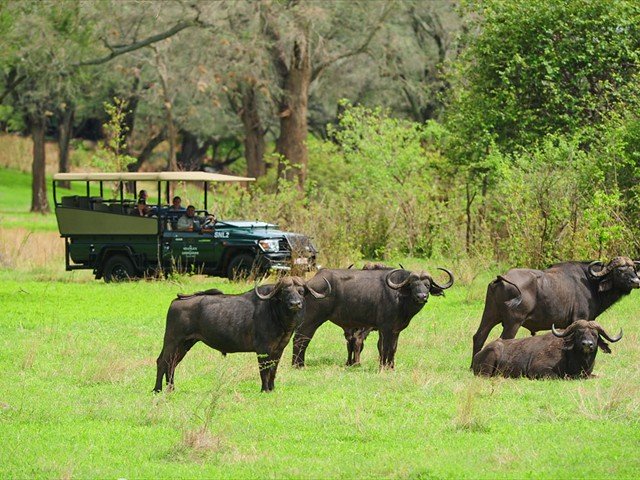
(301, 50)
(533, 68)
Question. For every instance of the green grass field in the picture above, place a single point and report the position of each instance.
(77, 358)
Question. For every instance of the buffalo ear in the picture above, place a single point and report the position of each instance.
(604, 346)
(436, 291)
(605, 285)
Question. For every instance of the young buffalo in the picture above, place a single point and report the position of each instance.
(568, 354)
(249, 322)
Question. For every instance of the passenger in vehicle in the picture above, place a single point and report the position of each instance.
(141, 210)
(176, 205)
(189, 222)
(142, 197)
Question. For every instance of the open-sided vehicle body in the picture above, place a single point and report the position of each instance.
(102, 234)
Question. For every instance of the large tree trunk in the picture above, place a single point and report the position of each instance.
(292, 142)
(191, 154)
(39, 202)
(65, 132)
(254, 145)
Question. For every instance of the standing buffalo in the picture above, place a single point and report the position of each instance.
(385, 300)
(355, 337)
(249, 322)
(560, 295)
(570, 354)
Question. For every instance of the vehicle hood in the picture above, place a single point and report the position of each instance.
(246, 224)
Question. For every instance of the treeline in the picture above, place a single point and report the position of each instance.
(506, 130)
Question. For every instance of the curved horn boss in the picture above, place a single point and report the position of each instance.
(392, 284)
(317, 294)
(446, 285)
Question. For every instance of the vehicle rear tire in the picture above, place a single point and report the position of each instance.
(118, 268)
(241, 267)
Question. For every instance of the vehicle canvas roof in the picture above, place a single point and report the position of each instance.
(152, 176)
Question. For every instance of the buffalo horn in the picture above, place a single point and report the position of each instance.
(637, 264)
(446, 285)
(392, 284)
(268, 295)
(557, 333)
(319, 295)
(604, 334)
(603, 271)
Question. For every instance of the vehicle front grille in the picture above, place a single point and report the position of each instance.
(300, 245)
(284, 245)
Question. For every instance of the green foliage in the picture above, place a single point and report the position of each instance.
(110, 155)
(393, 204)
(541, 67)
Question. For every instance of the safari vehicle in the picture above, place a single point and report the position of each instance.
(102, 235)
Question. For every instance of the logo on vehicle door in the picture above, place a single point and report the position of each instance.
(190, 251)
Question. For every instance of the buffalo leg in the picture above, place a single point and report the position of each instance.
(301, 340)
(353, 356)
(389, 343)
(168, 360)
(273, 370)
(360, 335)
(486, 325)
(267, 363)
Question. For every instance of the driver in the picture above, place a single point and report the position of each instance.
(189, 222)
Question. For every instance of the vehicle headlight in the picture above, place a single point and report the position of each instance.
(269, 245)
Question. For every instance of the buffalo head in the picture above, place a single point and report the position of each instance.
(586, 336)
(420, 284)
(290, 291)
(620, 273)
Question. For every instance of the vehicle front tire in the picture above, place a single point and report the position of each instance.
(118, 268)
(241, 267)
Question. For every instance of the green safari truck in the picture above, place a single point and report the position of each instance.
(103, 235)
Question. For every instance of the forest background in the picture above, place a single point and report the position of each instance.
(499, 131)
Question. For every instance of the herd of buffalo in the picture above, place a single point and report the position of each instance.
(565, 298)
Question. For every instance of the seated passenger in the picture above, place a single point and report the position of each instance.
(176, 205)
(189, 222)
(141, 210)
(142, 197)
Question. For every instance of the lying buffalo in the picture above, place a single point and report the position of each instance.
(560, 295)
(256, 321)
(570, 354)
(385, 300)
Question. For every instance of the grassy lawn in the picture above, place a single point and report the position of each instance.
(78, 363)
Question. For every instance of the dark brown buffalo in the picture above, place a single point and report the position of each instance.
(355, 337)
(255, 321)
(560, 295)
(385, 300)
(570, 354)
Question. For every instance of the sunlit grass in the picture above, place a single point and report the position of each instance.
(78, 363)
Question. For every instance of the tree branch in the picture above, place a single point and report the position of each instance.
(276, 50)
(361, 49)
(121, 50)
(11, 82)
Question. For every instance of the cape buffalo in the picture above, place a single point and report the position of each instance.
(385, 300)
(355, 337)
(255, 321)
(570, 354)
(560, 295)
